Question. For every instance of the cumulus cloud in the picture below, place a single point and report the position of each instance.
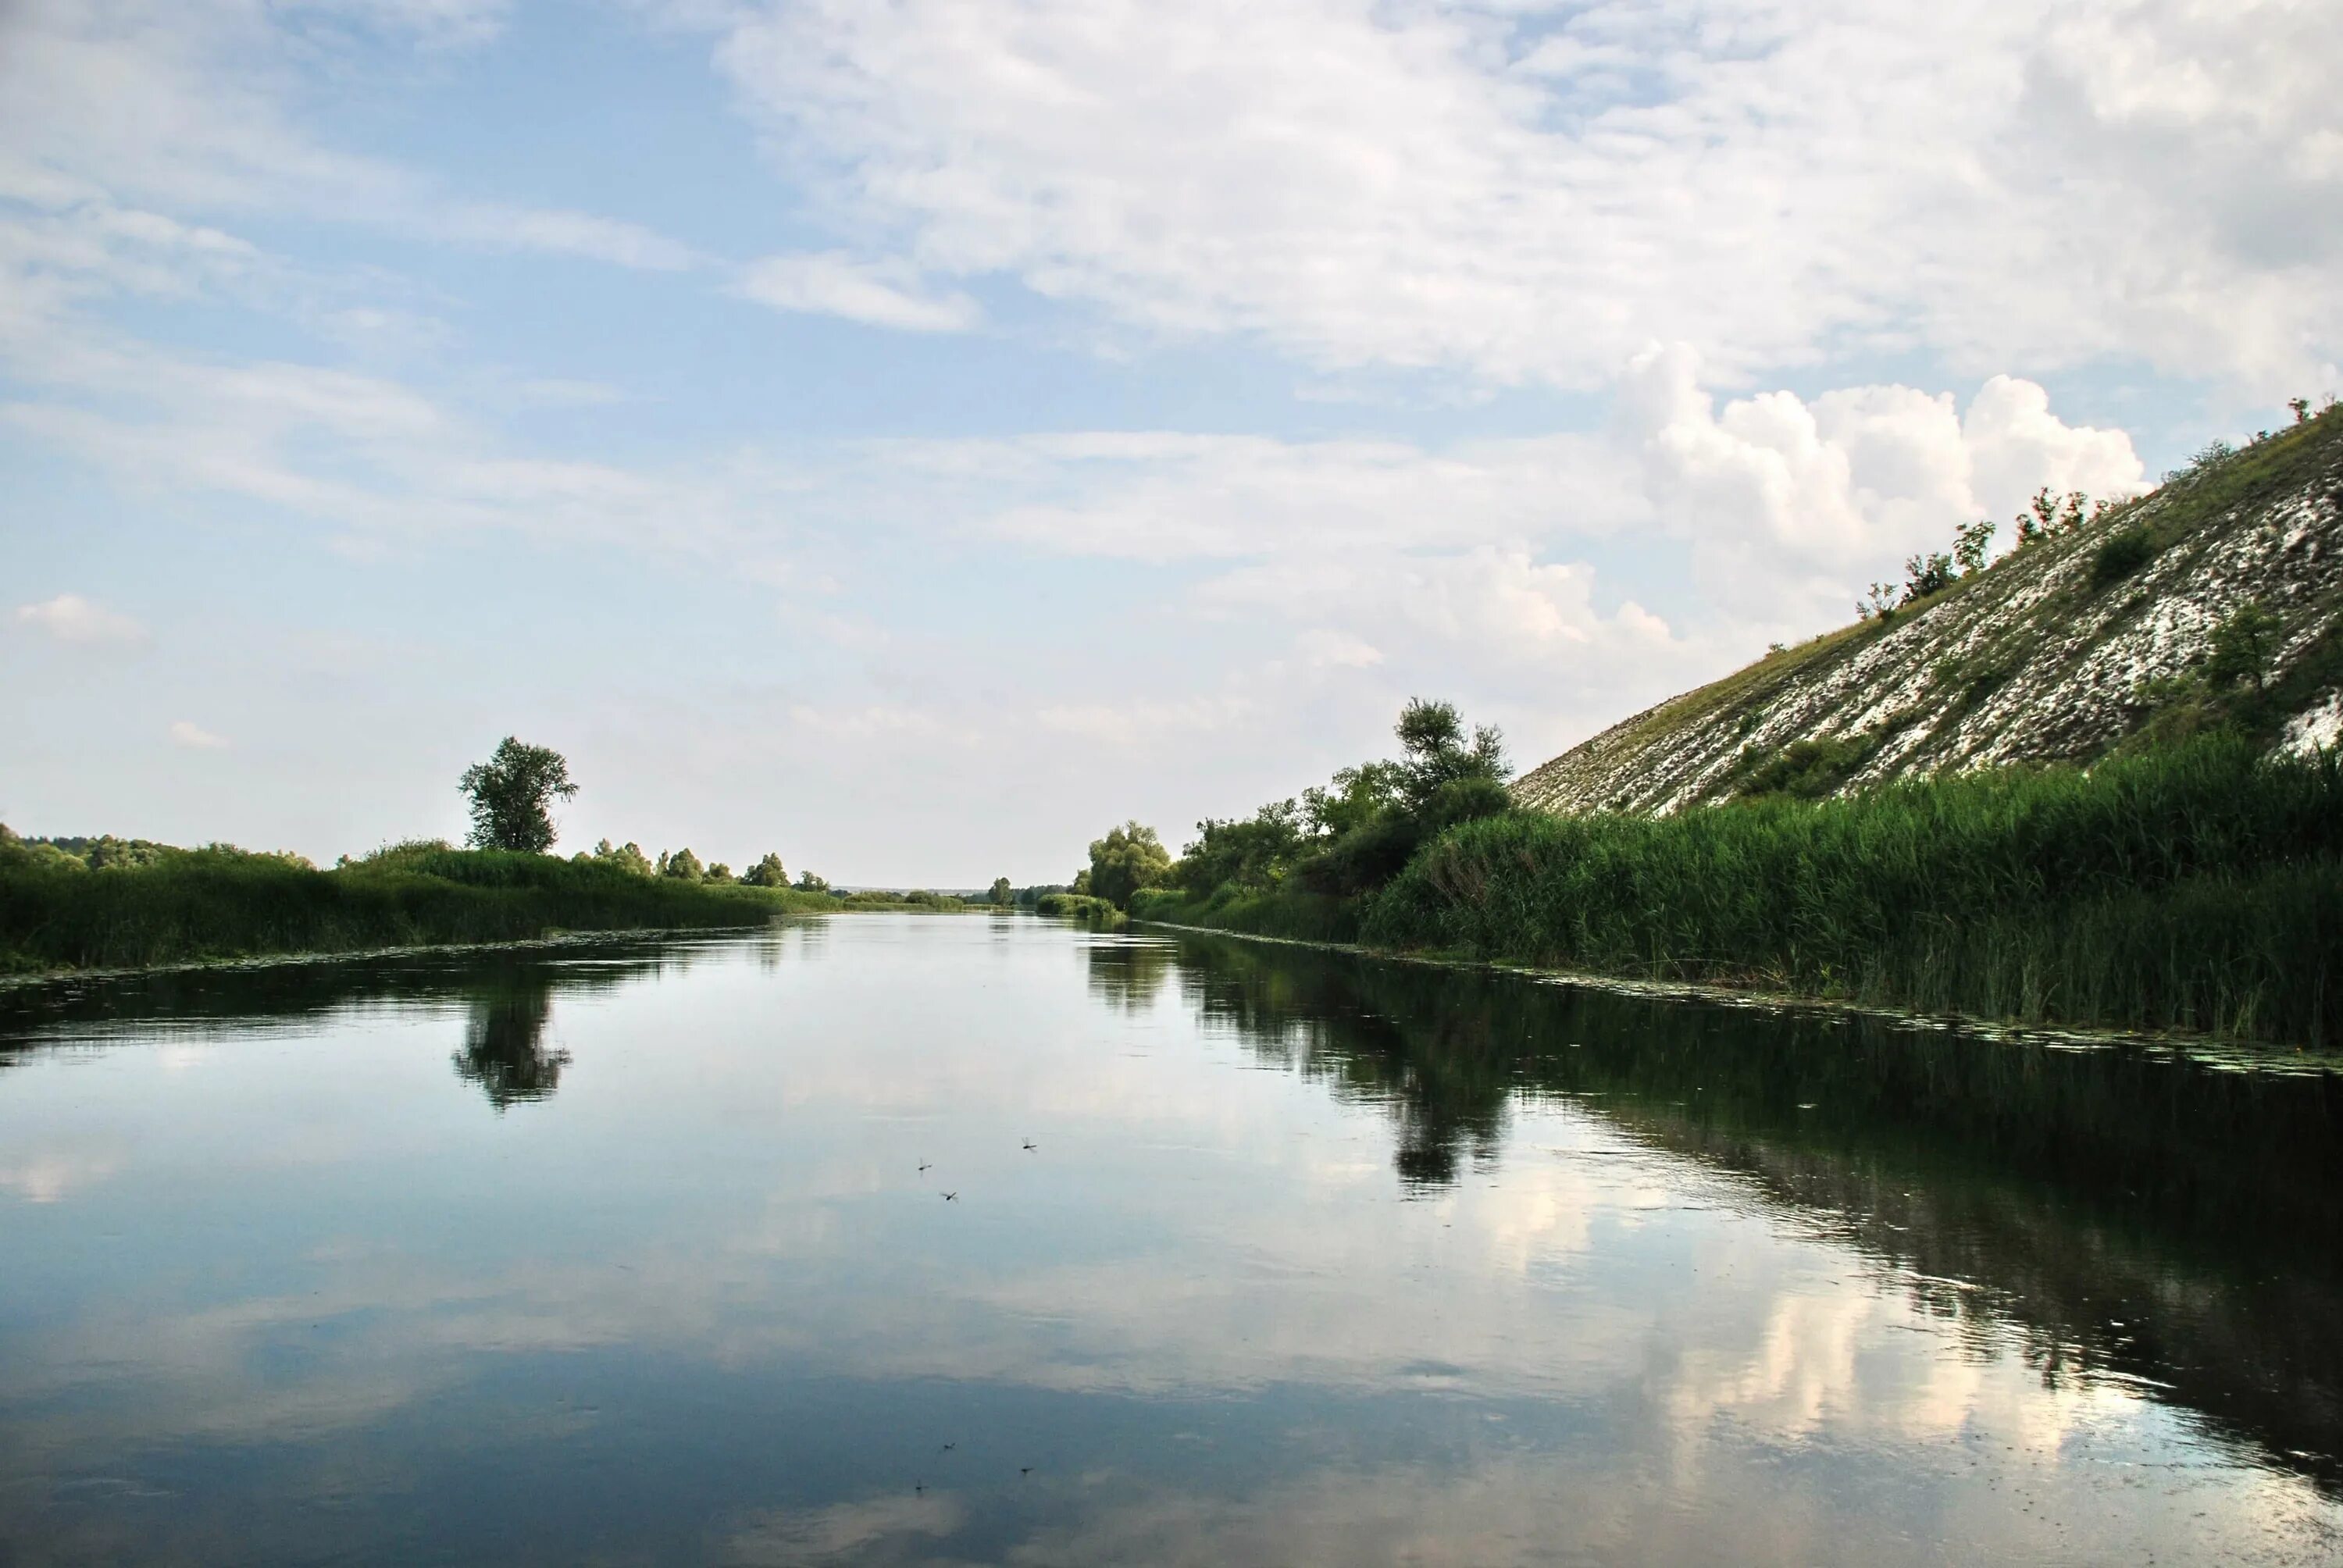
(881, 294)
(194, 737)
(2015, 444)
(1785, 501)
(1526, 189)
(71, 618)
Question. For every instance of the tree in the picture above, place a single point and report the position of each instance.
(2242, 646)
(1433, 736)
(1002, 895)
(629, 858)
(1973, 545)
(1927, 574)
(683, 865)
(810, 884)
(1128, 859)
(512, 795)
(718, 871)
(1253, 854)
(1353, 799)
(766, 873)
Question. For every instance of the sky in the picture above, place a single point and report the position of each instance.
(911, 436)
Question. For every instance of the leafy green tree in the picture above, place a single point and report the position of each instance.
(512, 796)
(1927, 574)
(2039, 521)
(629, 858)
(1128, 859)
(1253, 854)
(766, 873)
(1973, 545)
(1355, 797)
(810, 884)
(718, 871)
(1002, 894)
(1433, 736)
(2242, 647)
(683, 865)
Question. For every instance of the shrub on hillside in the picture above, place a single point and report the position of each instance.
(2122, 553)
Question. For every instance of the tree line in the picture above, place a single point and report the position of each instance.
(512, 797)
(1346, 837)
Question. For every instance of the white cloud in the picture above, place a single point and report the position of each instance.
(439, 24)
(1378, 567)
(69, 618)
(196, 738)
(881, 294)
(496, 226)
(1122, 724)
(2016, 445)
(1787, 503)
(1323, 648)
(568, 392)
(180, 103)
(1164, 496)
(1524, 190)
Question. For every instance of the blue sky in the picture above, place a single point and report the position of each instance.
(911, 436)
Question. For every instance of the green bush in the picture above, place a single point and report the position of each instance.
(1100, 912)
(1808, 769)
(2122, 553)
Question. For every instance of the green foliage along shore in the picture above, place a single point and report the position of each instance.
(2197, 888)
(62, 911)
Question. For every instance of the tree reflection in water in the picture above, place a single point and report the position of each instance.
(2135, 1211)
(1129, 973)
(504, 1049)
(508, 994)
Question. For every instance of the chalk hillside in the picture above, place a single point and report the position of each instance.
(2217, 598)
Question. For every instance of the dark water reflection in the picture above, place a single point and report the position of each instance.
(1311, 1260)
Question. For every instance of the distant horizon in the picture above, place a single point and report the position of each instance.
(895, 444)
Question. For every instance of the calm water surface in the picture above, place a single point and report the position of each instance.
(626, 1253)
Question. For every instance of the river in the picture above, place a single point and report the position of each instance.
(900, 1239)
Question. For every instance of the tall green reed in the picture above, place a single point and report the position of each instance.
(2197, 888)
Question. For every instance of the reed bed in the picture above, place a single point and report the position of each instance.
(2198, 887)
(197, 905)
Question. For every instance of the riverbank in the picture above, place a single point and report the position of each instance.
(2196, 890)
(2208, 1051)
(200, 906)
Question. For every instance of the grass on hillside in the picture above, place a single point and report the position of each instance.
(193, 904)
